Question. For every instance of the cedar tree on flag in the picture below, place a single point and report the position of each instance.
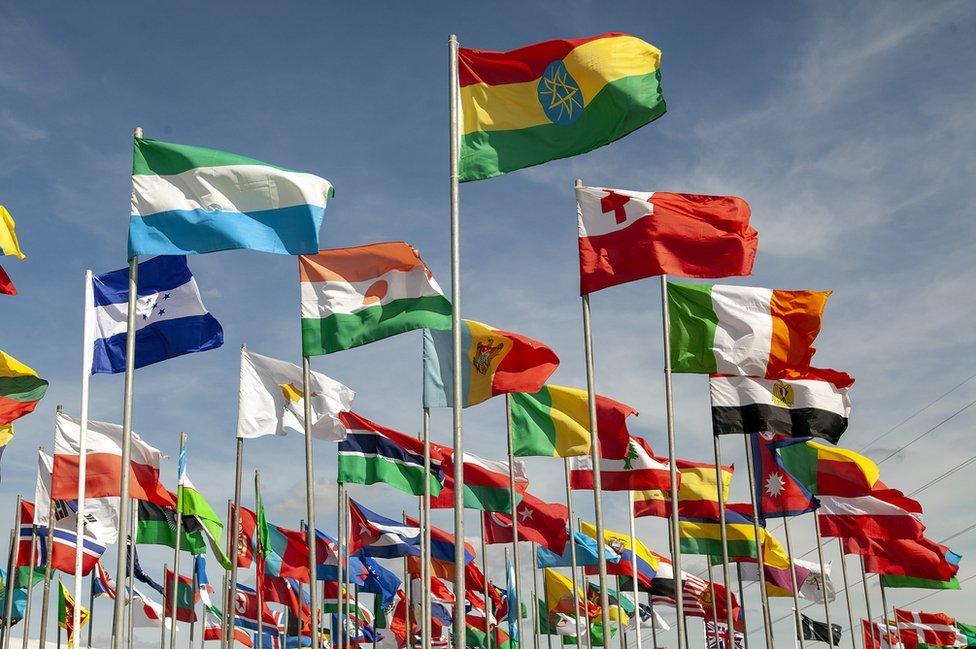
(637, 470)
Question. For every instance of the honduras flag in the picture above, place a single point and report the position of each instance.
(170, 317)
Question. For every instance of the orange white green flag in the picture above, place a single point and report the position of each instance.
(355, 296)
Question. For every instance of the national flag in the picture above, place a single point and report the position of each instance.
(794, 408)
(938, 629)
(717, 636)
(879, 635)
(486, 484)
(778, 582)
(18, 604)
(442, 546)
(560, 595)
(969, 631)
(647, 618)
(664, 589)
(586, 554)
(371, 453)
(104, 463)
(511, 597)
(66, 607)
(778, 492)
(885, 514)
(703, 536)
(25, 532)
(286, 553)
(629, 235)
(354, 296)
(20, 389)
(920, 558)
(493, 362)
(272, 400)
(6, 284)
(148, 615)
(192, 200)
(378, 580)
(555, 422)
(213, 630)
(379, 536)
(647, 561)
(170, 317)
(246, 610)
(817, 586)
(828, 470)
(553, 100)
(637, 470)
(697, 493)
(247, 523)
(156, 525)
(9, 244)
(742, 330)
(820, 631)
(6, 436)
(204, 589)
(909, 581)
(186, 596)
(538, 521)
(717, 606)
(192, 503)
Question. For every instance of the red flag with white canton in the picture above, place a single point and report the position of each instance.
(939, 629)
(627, 235)
(639, 469)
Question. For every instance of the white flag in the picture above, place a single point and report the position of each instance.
(272, 401)
(816, 584)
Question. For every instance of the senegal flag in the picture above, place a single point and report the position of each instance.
(553, 100)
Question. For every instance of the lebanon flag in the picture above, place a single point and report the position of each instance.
(638, 470)
(103, 470)
(538, 521)
(628, 235)
(934, 629)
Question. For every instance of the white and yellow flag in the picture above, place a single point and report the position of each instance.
(272, 401)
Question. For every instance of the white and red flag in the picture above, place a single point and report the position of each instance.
(638, 470)
(879, 636)
(938, 629)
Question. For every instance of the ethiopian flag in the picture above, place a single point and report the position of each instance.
(553, 100)
(20, 388)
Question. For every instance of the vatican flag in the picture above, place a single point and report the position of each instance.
(272, 400)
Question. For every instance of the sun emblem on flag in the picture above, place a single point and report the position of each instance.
(560, 95)
(775, 485)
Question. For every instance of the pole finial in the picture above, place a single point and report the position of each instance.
(578, 182)
(137, 132)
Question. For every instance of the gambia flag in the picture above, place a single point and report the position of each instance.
(493, 362)
(371, 453)
(20, 388)
(742, 330)
(355, 296)
(555, 422)
(553, 100)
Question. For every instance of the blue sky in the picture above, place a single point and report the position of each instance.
(847, 126)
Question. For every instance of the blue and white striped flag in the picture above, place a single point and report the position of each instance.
(170, 317)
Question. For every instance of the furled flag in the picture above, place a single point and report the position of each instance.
(586, 553)
(66, 607)
(553, 100)
(186, 596)
(272, 400)
(104, 463)
(354, 296)
(493, 362)
(379, 536)
(778, 492)
(647, 561)
(938, 629)
(919, 558)
(170, 317)
(9, 244)
(627, 235)
(6, 284)
(555, 422)
(906, 580)
(743, 330)
(371, 453)
(486, 484)
(697, 493)
(538, 521)
(512, 599)
(191, 200)
(794, 408)
(637, 470)
(20, 388)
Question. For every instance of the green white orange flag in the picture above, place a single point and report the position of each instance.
(355, 296)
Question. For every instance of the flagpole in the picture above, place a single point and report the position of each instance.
(425, 627)
(867, 600)
(11, 567)
(823, 572)
(134, 517)
(633, 549)
(535, 602)
(341, 524)
(310, 492)
(884, 611)
(847, 592)
(584, 588)
(572, 552)
(711, 588)
(489, 609)
(86, 364)
(258, 567)
(130, 367)
(162, 627)
(454, 92)
(620, 624)
(742, 602)
(224, 590)
(91, 615)
(796, 599)
(408, 591)
(30, 585)
(236, 527)
(46, 600)
(515, 535)
(174, 600)
(764, 599)
(650, 603)
(726, 576)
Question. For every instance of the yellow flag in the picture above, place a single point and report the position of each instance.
(66, 606)
(8, 238)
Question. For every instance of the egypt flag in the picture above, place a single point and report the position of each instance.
(628, 235)
(932, 629)
(639, 469)
(103, 471)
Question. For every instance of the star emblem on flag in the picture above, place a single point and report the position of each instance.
(775, 485)
(525, 515)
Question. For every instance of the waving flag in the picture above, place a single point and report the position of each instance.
(778, 493)
(9, 244)
(66, 607)
(170, 317)
(442, 543)
(938, 629)
(899, 575)
(286, 555)
(493, 362)
(703, 536)
(378, 536)
(828, 470)
(919, 558)
(486, 484)
(647, 562)
(638, 469)
(697, 493)
(538, 521)
(20, 389)
(6, 284)
(586, 554)
(883, 514)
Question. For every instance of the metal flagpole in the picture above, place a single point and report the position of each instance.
(535, 602)
(847, 592)
(515, 535)
(650, 603)
(408, 590)
(489, 609)
(726, 576)
(11, 567)
(595, 458)
(425, 607)
(711, 588)
(742, 603)
(585, 588)
(796, 599)
(225, 607)
(341, 524)
(134, 518)
(867, 599)
(454, 92)
(46, 599)
(767, 623)
(173, 599)
(672, 456)
(572, 550)
(633, 549)
(345, 575)
(620, 625)
(258, 566)
(823, 572)
(86, 364)
(310, 494)
(30, 587)
(229, 610)
(130, 360)
(91, 615)
(162, 627)
(884, 611)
